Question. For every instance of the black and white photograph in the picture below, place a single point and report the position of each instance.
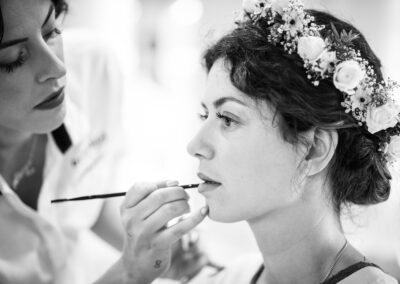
(199, 142)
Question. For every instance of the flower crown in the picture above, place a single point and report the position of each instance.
(370, 102)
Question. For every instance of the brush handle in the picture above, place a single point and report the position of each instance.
(109, 195)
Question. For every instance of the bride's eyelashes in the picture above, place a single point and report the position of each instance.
(203, 116)
(227, 120)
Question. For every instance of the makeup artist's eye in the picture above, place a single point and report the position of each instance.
(10, 67)
(227, 121)
(52, 34)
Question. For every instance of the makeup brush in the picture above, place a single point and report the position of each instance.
(109, 195)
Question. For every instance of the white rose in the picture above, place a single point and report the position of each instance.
(310, 47)
(255, 6)
(393, 149)
(382, 117)
(348, 75)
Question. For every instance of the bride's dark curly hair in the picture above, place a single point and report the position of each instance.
(60, 6)
(265, 72)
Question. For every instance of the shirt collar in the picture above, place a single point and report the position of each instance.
(73, 130)
(62, 138)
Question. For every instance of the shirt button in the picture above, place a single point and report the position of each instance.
(75, 162)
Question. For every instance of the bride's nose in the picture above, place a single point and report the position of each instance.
(201, 146)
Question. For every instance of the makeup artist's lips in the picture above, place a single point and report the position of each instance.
(52, 101)
(208, 185)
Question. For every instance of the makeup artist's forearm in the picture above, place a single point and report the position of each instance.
(117, 274)
(109, 226)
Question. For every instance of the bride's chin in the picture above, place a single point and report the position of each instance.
(222, 216)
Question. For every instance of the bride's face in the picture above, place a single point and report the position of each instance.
(32, 71)
(241, 151)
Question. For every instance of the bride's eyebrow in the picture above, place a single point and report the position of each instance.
(224, 100)
(219, 102)
(49, 13)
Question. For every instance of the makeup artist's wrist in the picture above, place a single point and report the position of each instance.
(118, 274)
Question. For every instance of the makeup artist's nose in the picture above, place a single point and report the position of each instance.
(200, 146)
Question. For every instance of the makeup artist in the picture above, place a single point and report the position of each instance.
(53, 145)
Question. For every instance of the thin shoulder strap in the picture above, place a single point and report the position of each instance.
(348, 271)
(257, 275)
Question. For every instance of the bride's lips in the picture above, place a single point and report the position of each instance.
(52, 101)
(208, 185)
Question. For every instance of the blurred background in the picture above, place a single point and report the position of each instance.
(157, 47)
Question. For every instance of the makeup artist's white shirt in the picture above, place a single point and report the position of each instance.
(41, 246)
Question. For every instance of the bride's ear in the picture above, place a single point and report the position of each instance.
(321, 150)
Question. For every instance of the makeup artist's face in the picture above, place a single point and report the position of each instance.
(32, 72)
(242, 153)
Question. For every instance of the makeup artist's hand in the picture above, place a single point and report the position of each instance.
(146, 210)
(188, 258)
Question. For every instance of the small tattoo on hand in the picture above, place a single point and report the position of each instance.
(157, 264)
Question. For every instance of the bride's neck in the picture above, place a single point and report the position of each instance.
(299, 243)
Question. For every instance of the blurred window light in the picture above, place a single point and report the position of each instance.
(179, 67)
(186, 12)
(185, 59)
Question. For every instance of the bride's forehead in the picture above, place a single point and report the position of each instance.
(219, 83)
(220, 94)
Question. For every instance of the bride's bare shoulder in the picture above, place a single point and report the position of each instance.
(369, 275)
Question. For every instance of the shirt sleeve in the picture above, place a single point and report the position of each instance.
(96, 86)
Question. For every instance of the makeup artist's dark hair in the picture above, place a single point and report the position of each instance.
(266, 72)
(59, 5)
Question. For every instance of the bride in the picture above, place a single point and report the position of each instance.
(298, 122)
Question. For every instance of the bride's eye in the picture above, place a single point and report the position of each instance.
(227, 121)
(203, 116)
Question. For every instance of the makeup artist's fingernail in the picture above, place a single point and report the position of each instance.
(170, 183)
(204, 211)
